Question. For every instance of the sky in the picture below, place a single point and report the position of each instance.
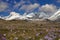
(28, 6)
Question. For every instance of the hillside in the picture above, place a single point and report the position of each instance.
(29, 30)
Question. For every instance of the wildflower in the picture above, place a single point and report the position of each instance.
(41, 39)
(4, 34)
(16, 38)
(3, 38)
(37, 34)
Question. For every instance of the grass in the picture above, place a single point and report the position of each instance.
(28, 30)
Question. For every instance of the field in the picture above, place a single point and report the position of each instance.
(29, 30)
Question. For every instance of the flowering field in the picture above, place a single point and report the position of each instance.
(29, 30)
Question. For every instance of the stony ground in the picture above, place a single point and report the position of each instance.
(29, 30)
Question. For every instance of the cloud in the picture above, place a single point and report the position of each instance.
(48, 8)
(30, 7)
(26, 5)
(58, 1)
(3, 6)
(22, 2)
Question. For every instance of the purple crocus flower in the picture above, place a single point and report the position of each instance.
(3, 38)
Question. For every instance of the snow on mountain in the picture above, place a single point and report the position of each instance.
(32, 16)
(17, 16)
(0, 16)
(25, 16)
(55, 16)
(12, 16)
(37, 16)
(43, 15)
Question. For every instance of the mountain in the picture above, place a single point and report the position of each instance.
(43, 16)
(32, 16)
(12, 16)
(55, 16)
(17, 16)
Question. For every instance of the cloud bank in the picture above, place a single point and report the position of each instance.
(3, 6)
(48, 8)
(30, 7)
(58, 1)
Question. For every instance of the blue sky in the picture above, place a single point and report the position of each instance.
(27, 6)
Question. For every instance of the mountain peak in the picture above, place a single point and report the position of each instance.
(55, 16)
(32, 16)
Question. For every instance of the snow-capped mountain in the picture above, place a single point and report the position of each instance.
(12, 16)
(0, 16)
(17, 16)
(26, 16)
(43, 15)
(55, 16)
(32, 16)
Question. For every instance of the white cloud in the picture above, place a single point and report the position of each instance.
(30, 7)
(19, 4)
(49, 9)
(26, 5)
(58, 1)
(3, 6)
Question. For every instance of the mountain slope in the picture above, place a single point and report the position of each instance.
(32, 16)
(56, 16)
(12, 16)
(17, 16)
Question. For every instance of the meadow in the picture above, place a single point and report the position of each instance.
(29, 30)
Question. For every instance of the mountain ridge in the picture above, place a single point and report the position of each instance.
(32, 16)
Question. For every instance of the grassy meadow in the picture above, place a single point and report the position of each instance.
(29, 30)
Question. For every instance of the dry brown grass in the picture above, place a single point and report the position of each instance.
(28, 29)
